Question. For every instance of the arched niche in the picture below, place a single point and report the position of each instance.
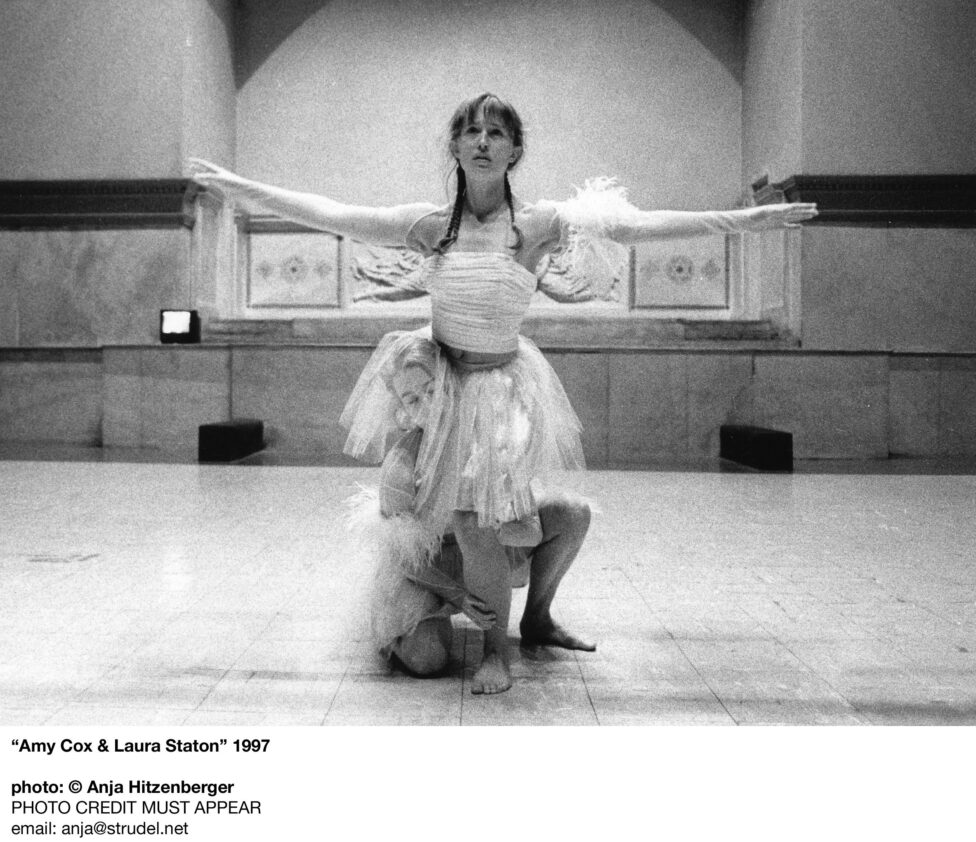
(350, 97)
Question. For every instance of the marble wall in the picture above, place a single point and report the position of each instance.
(898, 289)
(640, 408)
(932, 405)
(53, 395)
(89, 288)
(835, 406)
(297, 392)
(158, 397)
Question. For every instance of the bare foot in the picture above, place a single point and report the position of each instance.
(552, 634)
(492, 676)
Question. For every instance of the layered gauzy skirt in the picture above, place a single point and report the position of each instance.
(493, 435)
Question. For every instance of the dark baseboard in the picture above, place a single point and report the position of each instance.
(96, 203)
(903, 201)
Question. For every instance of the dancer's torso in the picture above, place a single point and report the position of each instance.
(478, 302)
(480, 288)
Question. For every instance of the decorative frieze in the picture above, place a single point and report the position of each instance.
(293, 270)
(689, 274)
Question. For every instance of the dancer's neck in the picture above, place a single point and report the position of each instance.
(484, 200)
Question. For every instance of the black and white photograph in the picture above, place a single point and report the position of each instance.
(595, 374)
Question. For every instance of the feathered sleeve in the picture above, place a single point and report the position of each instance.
(600, 211)
(588, 260)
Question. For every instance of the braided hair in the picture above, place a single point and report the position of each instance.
(466, 112)
(451, 235)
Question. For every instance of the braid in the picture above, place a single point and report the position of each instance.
(511, 215)
(450, 237)
(454, 226)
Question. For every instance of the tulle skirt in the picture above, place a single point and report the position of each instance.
(491, 435)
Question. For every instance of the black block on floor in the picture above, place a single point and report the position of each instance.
(757, 447)
(227, 441)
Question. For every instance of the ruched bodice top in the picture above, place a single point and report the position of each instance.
(478, 300)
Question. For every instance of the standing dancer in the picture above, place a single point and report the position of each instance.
(496, 423)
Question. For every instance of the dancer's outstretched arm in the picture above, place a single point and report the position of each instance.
(601, 213)
(650, 225)
(382, 226)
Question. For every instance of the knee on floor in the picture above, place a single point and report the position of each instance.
(424, 652)
(423, 662)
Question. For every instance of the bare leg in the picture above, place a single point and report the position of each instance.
(565, 521)
(427, 650)
(487, 573)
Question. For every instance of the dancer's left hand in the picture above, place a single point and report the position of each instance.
(785, 215)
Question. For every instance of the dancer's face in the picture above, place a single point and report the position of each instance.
(413, 385)
(485, 147)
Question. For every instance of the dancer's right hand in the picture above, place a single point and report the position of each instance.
(475, 609)
(223, 183)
